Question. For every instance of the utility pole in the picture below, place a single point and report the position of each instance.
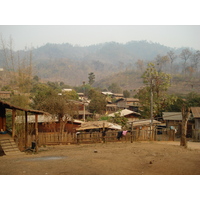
(151, 108)
(84, 110)
(84, 101)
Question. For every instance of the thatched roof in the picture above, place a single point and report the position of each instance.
(98, 124)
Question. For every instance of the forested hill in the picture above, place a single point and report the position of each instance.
(72, 64)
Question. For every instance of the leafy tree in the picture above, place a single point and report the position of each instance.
(71, 95)
(126, 94)
(59, 106)
(114, 87)
(158, 83)
(97, 103)
(54, 85)
(41, 95)
(193, 99)
(175, 106)
(91, 77)
(85, 88)
(20, 101)
(118, 119)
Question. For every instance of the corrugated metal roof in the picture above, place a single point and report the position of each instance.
(42, 119)
(196, 112)
(124, 113)
(144, 122)
(177, 116)
(98, 124)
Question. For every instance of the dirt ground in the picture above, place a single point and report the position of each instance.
(137, 158)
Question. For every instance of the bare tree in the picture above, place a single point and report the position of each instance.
(161, 61)
(172, 57)
(18, 66)
(185, 55)
(195, 59)
(140, 65)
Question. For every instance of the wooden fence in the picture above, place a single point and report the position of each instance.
(97, 137)
(94, 137)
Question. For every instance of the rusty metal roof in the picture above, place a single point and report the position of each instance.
(195, 112)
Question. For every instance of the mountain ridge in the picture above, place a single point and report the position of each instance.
(72, 64)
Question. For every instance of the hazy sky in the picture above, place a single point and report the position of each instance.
(34, 35)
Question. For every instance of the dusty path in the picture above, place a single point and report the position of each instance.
(138, 158)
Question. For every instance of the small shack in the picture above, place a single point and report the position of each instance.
(142, 129)
(174, 120)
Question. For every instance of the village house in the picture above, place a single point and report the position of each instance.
(128, 103)
(80, 111)
(174, 120)
(5, 94)
(110, 108)
(117, 96)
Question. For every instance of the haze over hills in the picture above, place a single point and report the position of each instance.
(72, 64)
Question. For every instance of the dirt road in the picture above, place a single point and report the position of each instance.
(138, 158)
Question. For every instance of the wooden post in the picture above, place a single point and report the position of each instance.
(156, 130)
(132, 133)
(36, 133)
(13, 122)
(2, 118)
(103, 133)
(26, 128)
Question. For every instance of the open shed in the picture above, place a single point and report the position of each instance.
(5, 105)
